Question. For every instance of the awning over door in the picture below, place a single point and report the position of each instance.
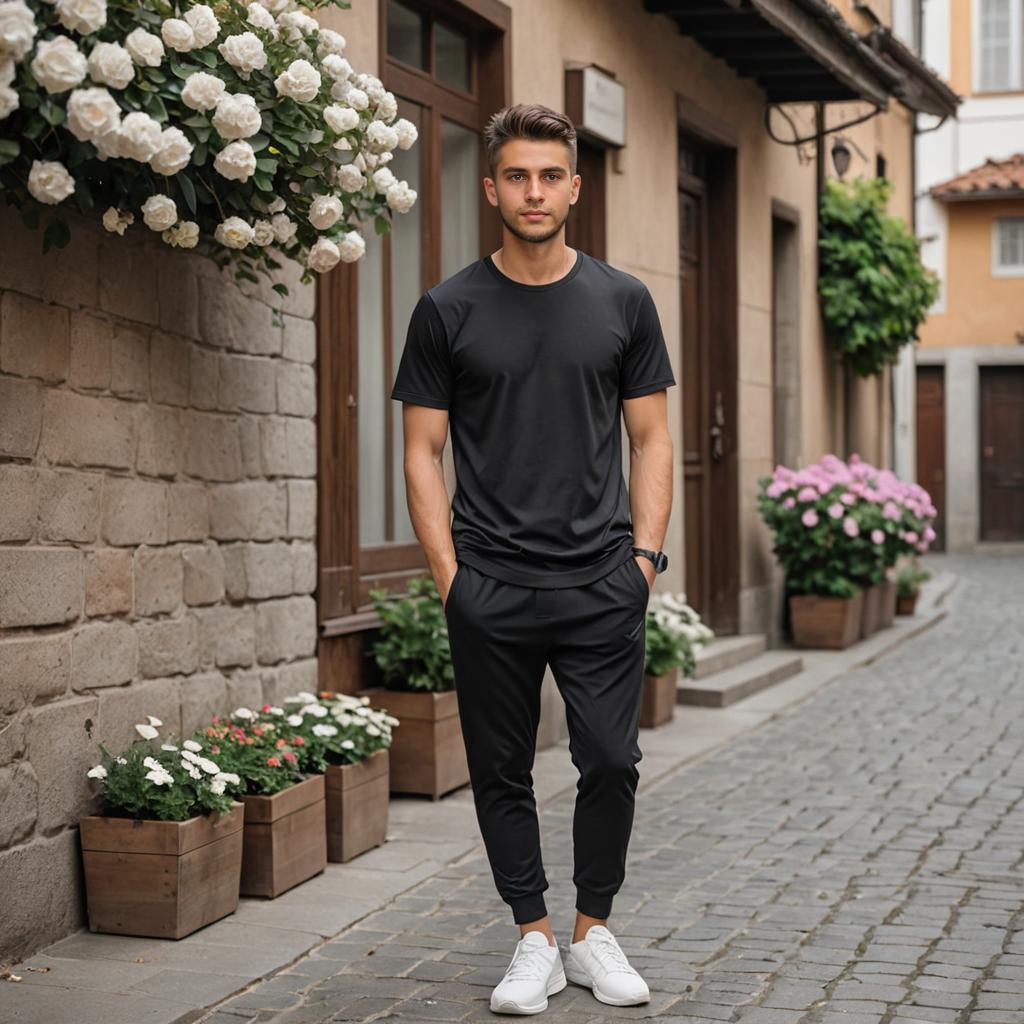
(920, 88)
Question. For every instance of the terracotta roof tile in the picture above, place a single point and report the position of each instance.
(993, 177)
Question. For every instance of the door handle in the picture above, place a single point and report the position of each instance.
(717, 432)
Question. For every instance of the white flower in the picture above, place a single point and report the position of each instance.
(273, 710)
(192, 746)
(380, 136)
(391, 720)
(350, 178)
(146, 49)
(351, 246)
(294, 25)
(400, 197)
(236, 161)
(234, 233)
(92, 112)
(8, 101)
(243, 713)
(364, 700)
(355, 98)
(237, 116)
(153, 720)
(324, 213)
(263, 234)
(316, 710)
(321, 729)
(184, 235)
(229, 777)
(294, 720)
(58, 64)
(190, 756)
(178, 35)
(406, 131)
(160, 777)
(159, 213)
(275, 206)
(336, 67)
(323, 256)
(83, 16)
(330, 42)
(347, 745)
(340, 119)
(208, 766)
(121, 760)
(244, 52)
(152, 762)
(147, 732)
(174, 153)
(17, 29)
(168, 746)
(49, 181)
(300, 81)
(99, 772)
(387, 108)
(260, 17)
(343, 717)
(373, 730)
(204, 24)
(383, 179)
(139, 136)
(115, 221)
(284, 228)
(111, 64)
(217, 787)
(202, 91)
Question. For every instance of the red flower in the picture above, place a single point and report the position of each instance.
(298, 741)
(214, 749)
(289, 756)
(265, 708)
(274, 762)
(280, 743)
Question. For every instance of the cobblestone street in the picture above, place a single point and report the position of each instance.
(856, 860)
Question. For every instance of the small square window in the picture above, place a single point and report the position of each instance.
(452, 57)
(1008, 247)
(407, 35)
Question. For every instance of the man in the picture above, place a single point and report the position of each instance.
(531, 353)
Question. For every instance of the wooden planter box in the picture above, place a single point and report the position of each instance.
(284, 839)
(357, 806)
(427, 751)
(832, 622)
(886, 604)
(161, 879)
(871, 612)
(906, 605)
(658, 703)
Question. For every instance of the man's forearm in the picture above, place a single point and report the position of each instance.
(430, 513)
(650, 490)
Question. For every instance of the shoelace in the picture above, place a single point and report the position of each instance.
(609, 955)
(528, 964)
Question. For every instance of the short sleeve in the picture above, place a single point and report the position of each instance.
(425, 372)
(646, 366)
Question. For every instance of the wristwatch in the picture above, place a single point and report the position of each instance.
(659, 558)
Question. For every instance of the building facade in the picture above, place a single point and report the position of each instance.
(198, 498)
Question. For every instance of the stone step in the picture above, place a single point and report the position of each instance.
(723, 688)
(727, 651)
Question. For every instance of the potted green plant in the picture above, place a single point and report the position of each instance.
(674, 631)
(414, 657)
(285, 836)
(908, 578)
(348, 741)
(165, 856)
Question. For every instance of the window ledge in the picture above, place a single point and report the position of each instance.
(357, 623)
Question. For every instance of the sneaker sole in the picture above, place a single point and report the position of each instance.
(584, 981)
(508, 1006)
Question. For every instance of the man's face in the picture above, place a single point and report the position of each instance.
(532, 188)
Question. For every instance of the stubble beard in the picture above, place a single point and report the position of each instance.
(519, 233)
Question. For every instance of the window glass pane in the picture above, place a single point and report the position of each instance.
(994, 46)
(373, 397)
(406, 35)
(406, 289)
(452, 65)
(460, 197)
(1010, 246)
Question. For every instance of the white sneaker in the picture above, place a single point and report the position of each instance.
(534, 973)
(596, 962)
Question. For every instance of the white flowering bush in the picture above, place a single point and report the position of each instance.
(169, 782)
(240, 128)
(674, 631)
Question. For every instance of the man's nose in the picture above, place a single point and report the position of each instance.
(534, 191)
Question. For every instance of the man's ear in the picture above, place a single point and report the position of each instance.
(490, 191)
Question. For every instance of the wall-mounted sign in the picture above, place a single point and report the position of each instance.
(596, 104)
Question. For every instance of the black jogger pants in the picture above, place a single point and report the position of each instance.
(593, 636)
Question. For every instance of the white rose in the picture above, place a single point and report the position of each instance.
(243, 712)
(92, 112)
(159, 212)
(204, 24)
(8, 101)
(202, 91)
(294, 720)
(58, 64)
(337, 67)
(184, 235)
(263, 232)
(173, 154)
(321, 729)
(115, 221)
(260, 17)
(284, 232)
(236, 161)
(49, 181)
(340, 119)
(234, 233)
(330, 42)
(383, 179)
(345, 92)
(352, 246)
(300, 81)
(146, 49)
(342, 143)
(244, 52)
(275, 206)
(178, 34)
(111, 64)
(406, 131)
(324, 212)
(83, 16)
(99, 772)
(217, 786)
(350, 178)
(293, 25)
(323, 256)
(18, 29)
(387, 108)
(237, 116)
(139, 136)
(400, 197)
(380, 136)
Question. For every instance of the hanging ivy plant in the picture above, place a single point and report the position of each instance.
(874, 290)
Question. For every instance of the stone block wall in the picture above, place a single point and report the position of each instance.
(157, 525)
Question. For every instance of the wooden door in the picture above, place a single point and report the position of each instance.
(1002, 453)
(585, 229)
(931, 443)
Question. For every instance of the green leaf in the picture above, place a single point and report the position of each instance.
(196, 121)
(53, 113)
(258, 142)
(156, 107)
(9, 150)
(209, 59)
(309, 171)
(188, 190)
(281, 289)
(381, 225)
(267, 165)
(155, 75)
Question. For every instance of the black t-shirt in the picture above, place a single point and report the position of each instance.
(533, 377)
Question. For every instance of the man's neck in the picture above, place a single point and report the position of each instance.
(530, 263)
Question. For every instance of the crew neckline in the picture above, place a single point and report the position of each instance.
(505, 279)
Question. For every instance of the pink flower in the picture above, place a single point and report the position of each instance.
(809, 518)
(775, 488)
(850, 527)
(922, 547)
(890, 510)
(836, 511)
(789, 502)
(807, 494)
(929, 534)
(847, 498)
(877, 537)
(911, 537)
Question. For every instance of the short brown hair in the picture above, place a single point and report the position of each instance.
(528, 121)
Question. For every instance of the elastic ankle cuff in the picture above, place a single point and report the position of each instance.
(528, 908)
(592, 905)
